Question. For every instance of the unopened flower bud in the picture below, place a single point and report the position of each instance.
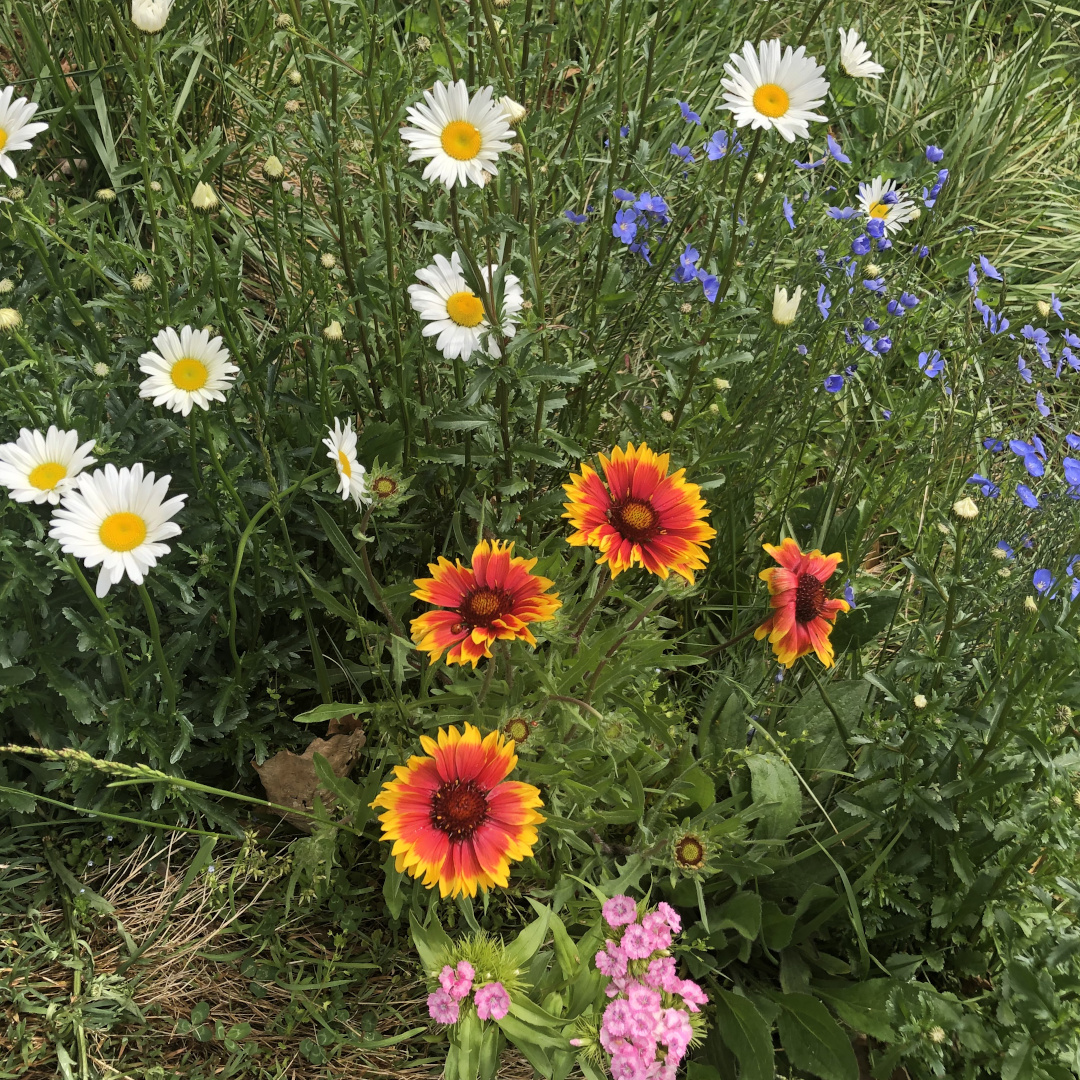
(6, 286)
(422, 44)
(101, 369)
(10, 319)
(919, 701)
(714, 409)
(936, 1034)
(294, 77)
(283, 21)
(872, 270)
(915, 212)
(292, 106)
(205, 198)
(512, 110)
(155, 187)
(1043, 308)
(149, 16)
(272, 168)
(721, 384)
(667, 416)
(966, 509)
(333, 332)
(105, 195)
(759, 178)
(328, 260)
(141, 281)
(1030, 605)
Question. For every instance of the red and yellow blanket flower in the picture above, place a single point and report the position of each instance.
(496, 598)
(638, 515)
(454, 818)
(803, 616)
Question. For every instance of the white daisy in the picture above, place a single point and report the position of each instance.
(455, 313)
(150, 15)
(40, 468)
(767, 90)
(855, 56)
(16, 131)
(117, 518)
(783, 309)
(875, 202)
(189, 368)
(462, 137)
(342, 452)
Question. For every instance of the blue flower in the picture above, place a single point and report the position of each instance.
(625, 227)
(894, 307)
(1030, 454)
(887, 413)
(860, 246)
(875, 285)
(1039, 336)
(577, 219)
(682, 152)
(802, 350)
(624, 131)
(921, 252)
(868, 343)
(1040, 404)
(804, 165)
(641, 248)
(709, 284)
(1003, 545)
(1071, 467)
(849, 594)
(1025, 495)
(651, 204)
(869, 325)
(1071, 339)
(687, 268)
(789, 212)
(717, 146)
(973, 276)
(908, 300)
(883, 345)
(834, 383)
(1055, 306)
(875, 228)
(623, 195)
(934, 154)
(1025, 371)
(884, 244)
(931, 364)
(835, 151)
(989, 269)
(989, 488)
(1044, 581)
(841, 213)
(688, 114)
(995, 446)
(824, 301)
(1073, 441)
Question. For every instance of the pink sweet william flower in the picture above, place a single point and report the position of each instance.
(675, 1032)
(692, 994)
(657, 925)
(442, 1008)
(457, 982)
(637, 943)
(611, 960)
(617, 1019)
(670, 915)
(661, 975)
(492, 1001)
(620, 911)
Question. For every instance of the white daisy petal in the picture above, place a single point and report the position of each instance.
(188, 369)
(341, 447)
(41, 468)
(16, 131)
(879, 199)
(855, 56)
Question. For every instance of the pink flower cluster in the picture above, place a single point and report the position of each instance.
(646, 1028)
(455, 984)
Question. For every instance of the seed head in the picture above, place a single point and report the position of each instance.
(272, 168)
(284, 21)
(872, 270)
(295, 77)
(328, 260)
(101, 369)
(422, 44)
(292, 106)
(936, 1034)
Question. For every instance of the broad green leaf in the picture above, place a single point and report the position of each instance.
(747, 1033)
(813, 1040)
(775, 787)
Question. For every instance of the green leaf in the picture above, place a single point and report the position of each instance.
(522, 949)
(775, 788)
(431, 943)
(813, 1040)
(747, 1033)
(323, 713)
(742, 913)
(863, 1006)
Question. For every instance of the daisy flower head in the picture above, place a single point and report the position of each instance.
(784, 309)
(493, 599)
(41, 468)
(454, 818)
(638, 514)
(463, 137)
(855, 56)
(189, 368)
(16, 130)
(879, 199)
(341, 450)
(803, 616)
(768, 90)
(117, 518)
(150, 16)
(454, 315)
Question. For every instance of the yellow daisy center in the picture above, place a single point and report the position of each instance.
(47, 475)
(771, 100)
(879, 210)
(461, 140)
(465, 309)
(343, 461)
(189, 374)
(3, 138)
(122, 531)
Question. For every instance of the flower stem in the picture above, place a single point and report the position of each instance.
(384, 607)
(121, 664)
(159, 652)
(603, 584)
(656, 598)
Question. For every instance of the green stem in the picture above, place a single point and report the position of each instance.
(159, 651)
(121, 664)
(384, 607)
(602, 587)
(641, 615)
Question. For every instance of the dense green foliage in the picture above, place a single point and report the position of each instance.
(889, 881)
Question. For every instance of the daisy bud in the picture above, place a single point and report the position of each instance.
(10, 319)
(422, 44)
(1004, 572)
(1030, 605)
(272, 168)
(517, 148)
(283, 21)
(141, 281)
(1063, 713)
(526, 305)
(714, 409)
(6, 286)
(512, 110)
(333, 332)
(915, 213)
(155, 187)
(502, 3)
(721, 384)
(686, 308)
(872, 270)
(783, 309)
(295, 77)
(667, 416)
(101, 369)
(936, 1034)
(965, 509)
(1044, 308)
(759, 178)
(292, 106)
(919, 701)
(1076, 800)
(149, 16)
(105, 195)
(16, 193)
(328, 261)
(205, 198)
(998, 553)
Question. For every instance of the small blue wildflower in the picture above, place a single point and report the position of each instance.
(851, 369)
(682, 152)
(1055, 306)
(869, 325)
(849, 595)
(875, 228)
(922, 252)
(686, 270)
(623, 195)
(1071, 339)
(841, 213)
(625, 226)
(989, 488)
(868, 343)
(887, 413)
(989, 269)
(875, 285)
(624, 131)
(995, 446)
(824, 301)
(577, 219)
(651, 204)
(802, 350)
(834, 383)
(847, 336)
(835, 151)
(934, 154)
(884, 244)
(710, 285)
(1043, 581)
(860, 246)
(1030, 455)
(1070, 356)
(1040, 404)
(641, 248)
(804, 165)
(973, 275)
(894, 307)
(1071, 468)
(1025, 371)
(931, 364)
(1027, 497)
(1073, 441)
(717, 146)
(789, 212)
(688, 114)
(909, 300)
(883, 345)
(1003, 545)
